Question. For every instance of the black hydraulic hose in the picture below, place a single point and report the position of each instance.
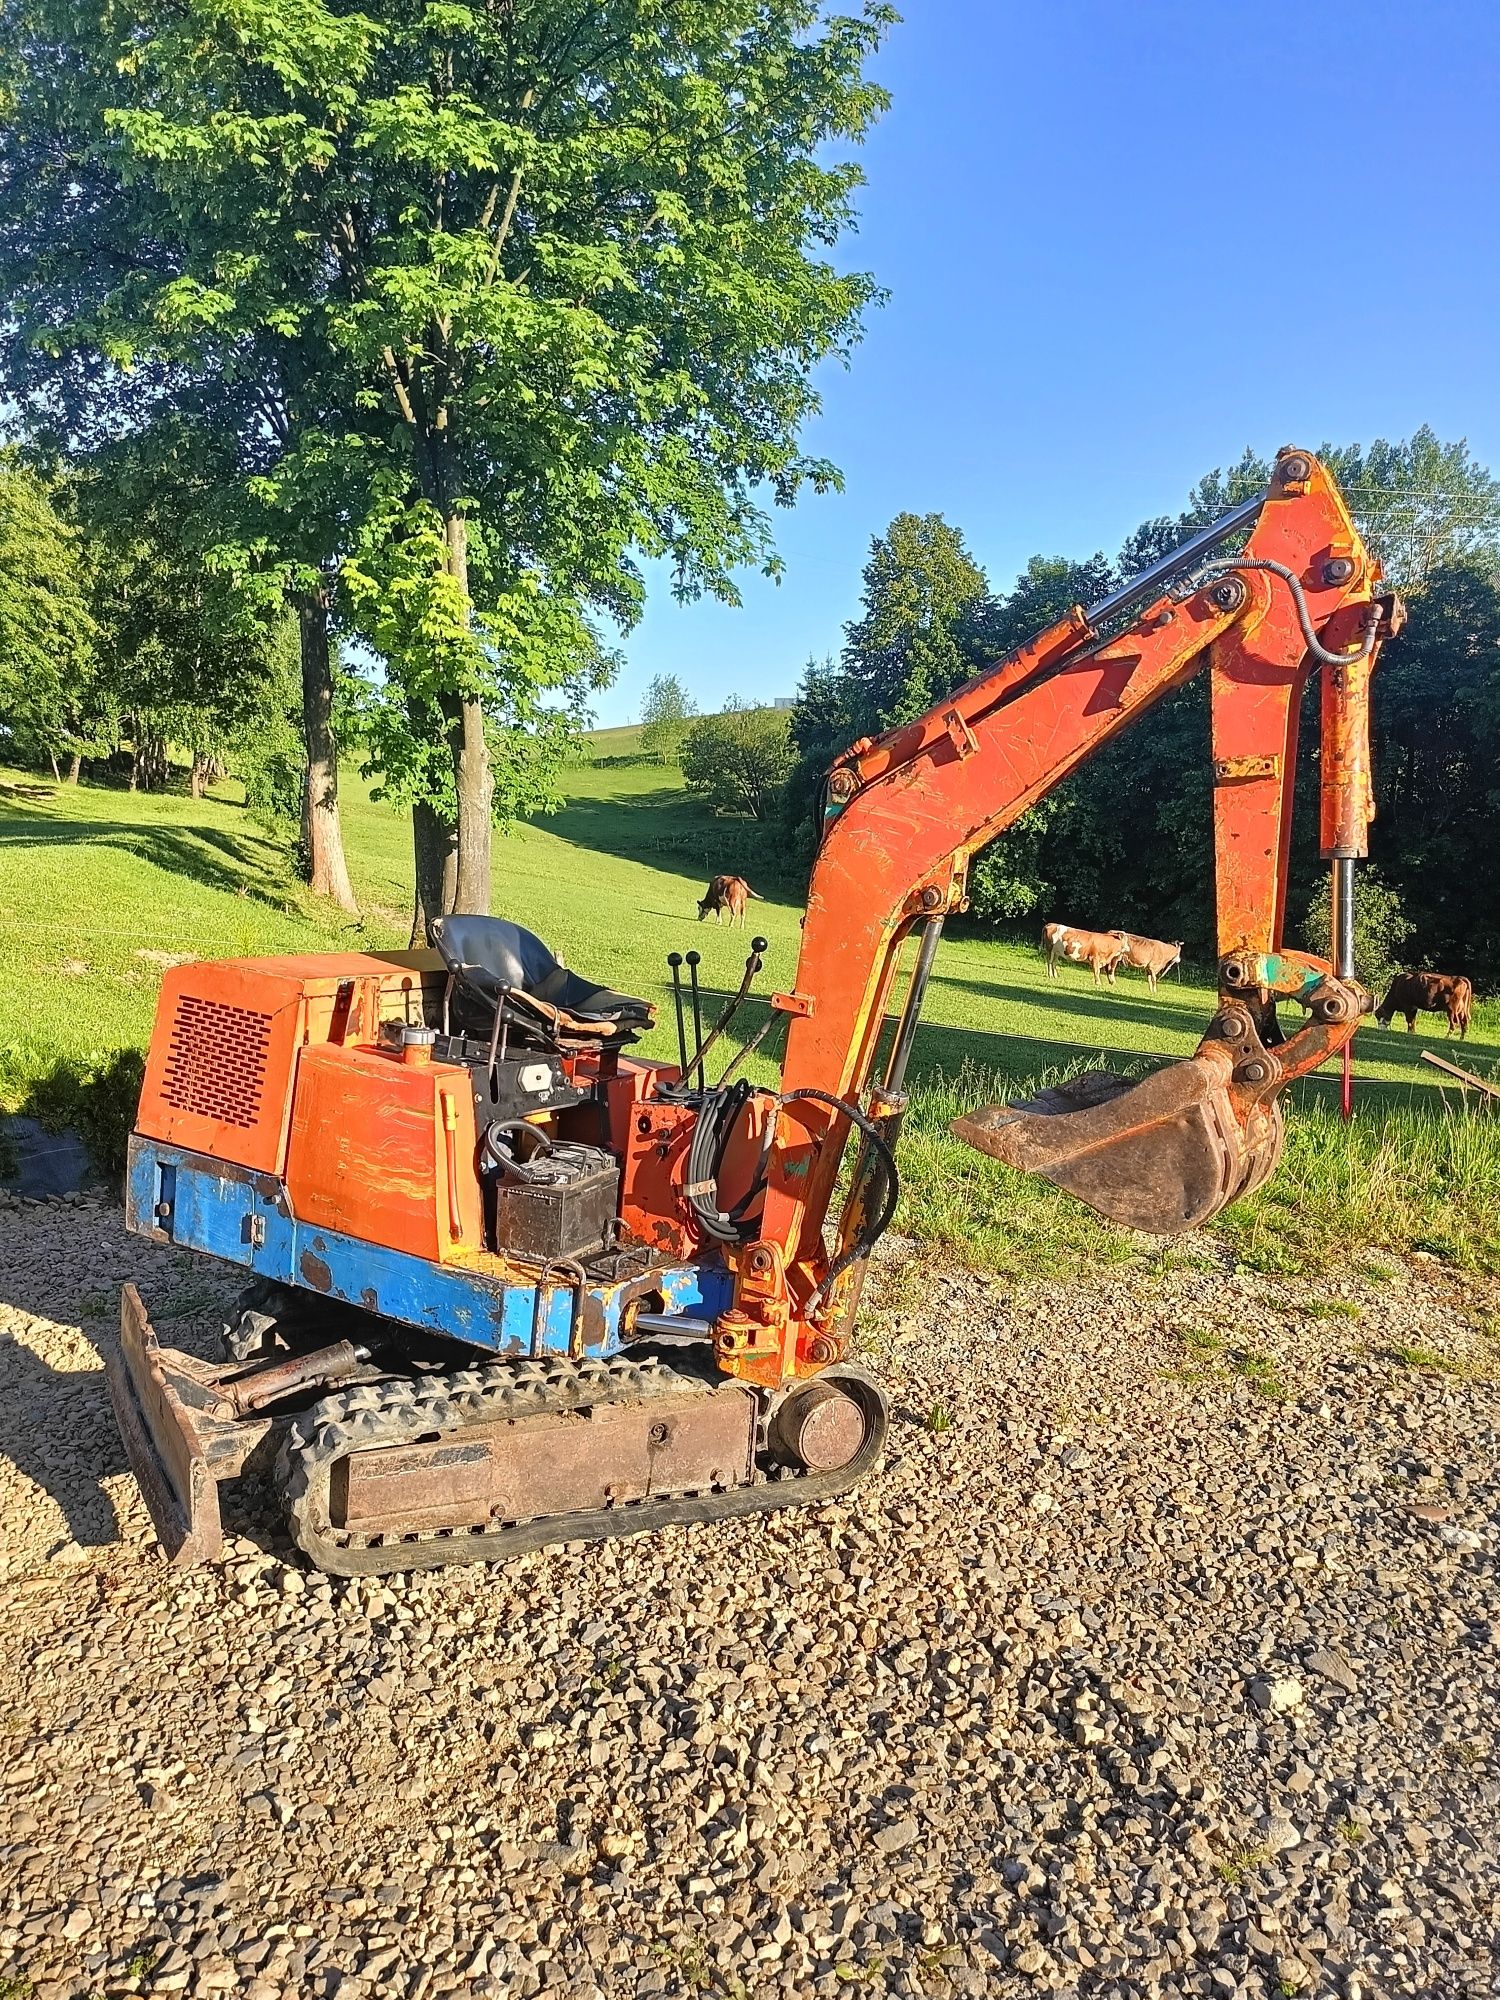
(873, 1230)
(1293, 583)
(705, 1160)
(711, 1133)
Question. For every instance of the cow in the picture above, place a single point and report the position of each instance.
(1411, 993)
(727, 892)
(1150, 955)
(1100, 950)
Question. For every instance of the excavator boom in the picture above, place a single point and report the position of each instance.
(905, 814)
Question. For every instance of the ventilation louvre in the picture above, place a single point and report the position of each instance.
(216, 1061)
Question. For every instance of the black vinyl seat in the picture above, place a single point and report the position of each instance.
(497, 964)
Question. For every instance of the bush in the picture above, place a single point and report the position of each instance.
(1380, 926)
(740, 760)
(98, 1096)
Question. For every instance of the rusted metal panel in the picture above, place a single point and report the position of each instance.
(370, 1152)
(166, 1455)
(543, 1466)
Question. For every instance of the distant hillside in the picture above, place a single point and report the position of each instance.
(625, 740)
(622, 742)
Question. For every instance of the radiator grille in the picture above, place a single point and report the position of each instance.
(216, 1060)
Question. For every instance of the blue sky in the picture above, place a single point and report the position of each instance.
(1123, 240)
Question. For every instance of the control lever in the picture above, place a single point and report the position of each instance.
(674, 959)
(753, 965)
(694, 960)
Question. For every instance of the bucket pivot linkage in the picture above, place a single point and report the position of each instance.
(1167, 1152)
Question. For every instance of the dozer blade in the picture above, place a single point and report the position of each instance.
(1164, 1155)
(172, 1469)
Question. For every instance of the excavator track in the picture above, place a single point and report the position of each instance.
(444, 1409)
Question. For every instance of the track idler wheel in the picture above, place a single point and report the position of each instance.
(827, 1423)
(1164, 1154)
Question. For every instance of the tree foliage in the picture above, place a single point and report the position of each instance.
(739, 761)
(538, 288)
(186, 654)
(666, 710)
(51, 702)
(920, 628)
(1382, 929)
(1436, 705)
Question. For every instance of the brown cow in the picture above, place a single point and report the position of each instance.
(1411, 993)
(1100, 950)
(727, 892)
(1150, 955)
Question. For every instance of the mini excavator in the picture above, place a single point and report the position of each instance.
(511, 1285)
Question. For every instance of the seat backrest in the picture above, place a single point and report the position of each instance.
(490, 957)
(491, 954)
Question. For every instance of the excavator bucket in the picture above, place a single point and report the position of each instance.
(1164, 1154)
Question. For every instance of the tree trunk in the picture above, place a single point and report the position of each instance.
(198, 776)
(52, 759)
(473, 779)
(75, 767)
(322, 829)
(435, 848)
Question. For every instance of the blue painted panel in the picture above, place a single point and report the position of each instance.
(248, 1221)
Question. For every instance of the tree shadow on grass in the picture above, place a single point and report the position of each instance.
(239, 864)
(1087, 1005)
(661, 829)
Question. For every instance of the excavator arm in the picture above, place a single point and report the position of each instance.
(905, 814)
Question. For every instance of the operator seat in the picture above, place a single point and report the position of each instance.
(496, 965)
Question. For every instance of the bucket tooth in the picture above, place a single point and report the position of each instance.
(1163, 1155)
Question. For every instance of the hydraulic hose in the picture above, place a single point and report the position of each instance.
(876, 1227)
(1293, 583)
(710, 1140)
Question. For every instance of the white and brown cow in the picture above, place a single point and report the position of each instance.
(1101, 951)
(1150, 955)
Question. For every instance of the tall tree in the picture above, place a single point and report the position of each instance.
(51, 703)
(570, 254)
(188, 655)
(666, 710)
(920, 617)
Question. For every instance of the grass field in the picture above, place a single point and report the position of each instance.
(98, 887)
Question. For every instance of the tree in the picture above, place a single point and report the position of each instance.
(558, 269)
(921, 631)
(666, 711)
(188, 656)
(50, 699)
(1381, 928)
(739, 761)
(915, 637)
(1436, 716)
(89, 368)
(1421, 504)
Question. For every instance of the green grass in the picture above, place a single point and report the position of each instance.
(94, 881)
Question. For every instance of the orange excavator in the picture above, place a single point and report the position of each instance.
(511, 1285)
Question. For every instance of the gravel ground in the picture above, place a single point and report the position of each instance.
(1161, 1658)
